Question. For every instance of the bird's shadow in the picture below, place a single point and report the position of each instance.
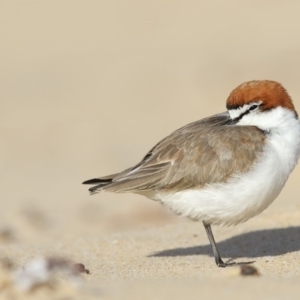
(268, 242)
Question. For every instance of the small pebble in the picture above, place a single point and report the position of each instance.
(80, 268)
(247, 270)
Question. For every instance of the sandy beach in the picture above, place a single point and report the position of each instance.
(86, 89)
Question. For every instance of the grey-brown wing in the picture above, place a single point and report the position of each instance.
(204, 152)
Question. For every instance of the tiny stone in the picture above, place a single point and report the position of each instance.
(80, 268)
(248, 271)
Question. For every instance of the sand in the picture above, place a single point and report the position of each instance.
(86, 88)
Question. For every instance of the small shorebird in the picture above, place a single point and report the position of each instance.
(224, 169)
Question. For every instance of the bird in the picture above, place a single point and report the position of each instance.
(224, 169)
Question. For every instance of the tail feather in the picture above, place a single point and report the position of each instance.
(97, 180)
(96, 188)
(130, 180)
(99, 183)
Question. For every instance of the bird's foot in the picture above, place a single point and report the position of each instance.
(222, 264)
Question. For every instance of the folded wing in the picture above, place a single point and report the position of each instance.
(204, 152)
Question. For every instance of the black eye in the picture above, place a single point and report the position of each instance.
(252, 107)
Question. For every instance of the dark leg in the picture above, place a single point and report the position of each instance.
(217, 256)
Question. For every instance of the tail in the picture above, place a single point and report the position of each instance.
(100, 183)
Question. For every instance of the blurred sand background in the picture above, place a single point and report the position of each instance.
(86, 88)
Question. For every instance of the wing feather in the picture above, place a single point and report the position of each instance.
(204, 152)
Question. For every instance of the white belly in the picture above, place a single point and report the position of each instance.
(243, 196)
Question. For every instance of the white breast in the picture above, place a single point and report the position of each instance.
(246, 195)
